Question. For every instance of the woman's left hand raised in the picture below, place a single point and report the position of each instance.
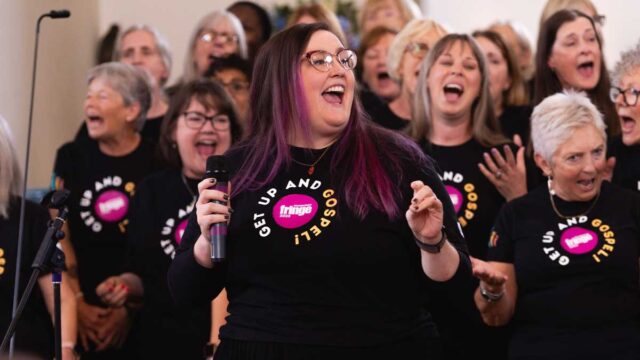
(425, 214)
(508, 174)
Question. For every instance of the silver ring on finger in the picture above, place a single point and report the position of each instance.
(498, 174)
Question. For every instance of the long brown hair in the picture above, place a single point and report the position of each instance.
(484, 125)
(547, 82)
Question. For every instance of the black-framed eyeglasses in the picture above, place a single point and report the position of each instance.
(599, 19)
(323, 60)
(417, 49)
(629, 95)
(210, 36)
(196, 120)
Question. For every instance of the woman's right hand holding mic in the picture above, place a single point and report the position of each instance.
(212, 207)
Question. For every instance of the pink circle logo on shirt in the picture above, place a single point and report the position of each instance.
(294, 210)
(111, 206)
(577, 240)
(180, 230)
(456, 197)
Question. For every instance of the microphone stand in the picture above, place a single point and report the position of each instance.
(54, 14)
(49, 256)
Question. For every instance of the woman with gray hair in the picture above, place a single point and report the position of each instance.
(624, 93)
(218, 34)
(563, 260)
(34, 333)
(144, 47)
(102, 172)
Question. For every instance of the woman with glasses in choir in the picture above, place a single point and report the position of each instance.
(217, 35)
(201, 122)
(624, 92)
(314, 252)
(234, 74)
(406, 52)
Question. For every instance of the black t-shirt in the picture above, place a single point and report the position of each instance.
(515, 120)
(475, 199)
(578, 292)
(159, 213)
(381, 113)
(627, 169)
(150, 131)
(34, 333)
(101, 188)
(301, 268)
(369, 99)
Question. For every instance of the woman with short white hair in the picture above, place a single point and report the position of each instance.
(102, 172)
(150, 43)
(144, 47)
(563, 260)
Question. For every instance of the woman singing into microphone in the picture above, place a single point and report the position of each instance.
(336, 234)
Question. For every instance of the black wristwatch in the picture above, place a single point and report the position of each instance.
(435, 248)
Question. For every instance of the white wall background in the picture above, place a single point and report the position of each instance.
(65, 53)
(67, 50)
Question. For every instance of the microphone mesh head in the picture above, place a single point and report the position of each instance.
(217, 167)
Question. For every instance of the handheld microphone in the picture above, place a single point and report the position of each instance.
(59, 14)
(216, 168)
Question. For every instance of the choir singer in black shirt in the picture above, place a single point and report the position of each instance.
(336, 235)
